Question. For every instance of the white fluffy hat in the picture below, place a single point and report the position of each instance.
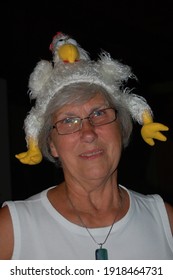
(72, 64)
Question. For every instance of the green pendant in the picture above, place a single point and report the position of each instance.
(101, 254)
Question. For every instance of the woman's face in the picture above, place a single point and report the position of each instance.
(94, 151)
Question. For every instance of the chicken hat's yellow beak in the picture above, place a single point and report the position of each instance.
(68, 53)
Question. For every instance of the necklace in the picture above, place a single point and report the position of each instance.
(100, 253)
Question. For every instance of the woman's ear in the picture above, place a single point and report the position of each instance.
(53, 149)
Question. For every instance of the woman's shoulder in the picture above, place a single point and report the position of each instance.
(145, 197)
(154, 201)
(40, 195)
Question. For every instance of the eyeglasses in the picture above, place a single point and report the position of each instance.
(96, 118)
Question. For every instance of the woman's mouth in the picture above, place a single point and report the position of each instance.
(91, 154)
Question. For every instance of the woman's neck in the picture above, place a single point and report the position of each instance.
(98, 206)
(96, 199)
(95, 194)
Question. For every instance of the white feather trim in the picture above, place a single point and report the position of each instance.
(136, 104)
(114, 69)
(39, 76)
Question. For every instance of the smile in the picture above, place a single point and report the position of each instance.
(91, 154)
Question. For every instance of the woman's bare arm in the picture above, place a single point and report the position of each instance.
(6, 234)
(169, 209)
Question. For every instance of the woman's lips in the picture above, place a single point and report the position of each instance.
(91, 154)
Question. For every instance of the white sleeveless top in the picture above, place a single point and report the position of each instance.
(40, 232)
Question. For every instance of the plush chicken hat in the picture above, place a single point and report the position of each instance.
(72, 64)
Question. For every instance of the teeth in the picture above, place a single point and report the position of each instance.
(91, 154)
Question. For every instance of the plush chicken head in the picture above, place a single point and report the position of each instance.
(66, 49)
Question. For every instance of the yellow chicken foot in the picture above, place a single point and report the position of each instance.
(32, 155)
(151, 130)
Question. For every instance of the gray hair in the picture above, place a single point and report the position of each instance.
(80, 93)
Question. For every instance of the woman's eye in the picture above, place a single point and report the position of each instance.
(70, 121)
(98, 113)
(67, 120)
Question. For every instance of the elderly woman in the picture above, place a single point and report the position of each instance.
(83, 124)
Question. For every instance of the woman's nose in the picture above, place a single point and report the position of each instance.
(87, 131)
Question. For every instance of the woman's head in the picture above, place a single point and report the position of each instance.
(80, 93)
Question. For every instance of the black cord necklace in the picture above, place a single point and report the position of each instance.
(100, 253)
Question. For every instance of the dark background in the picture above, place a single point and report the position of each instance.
(138, 33)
